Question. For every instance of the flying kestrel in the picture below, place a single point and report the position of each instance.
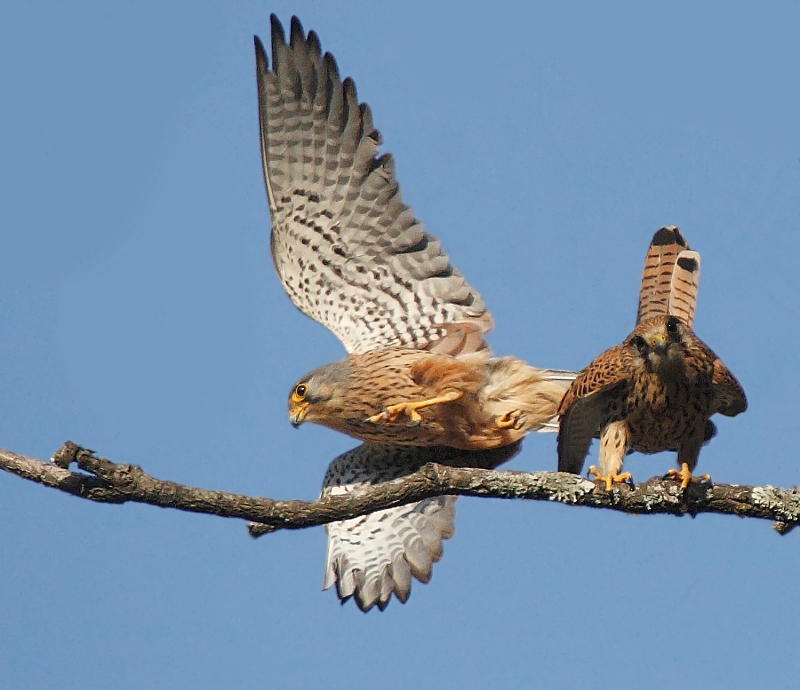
(418, 379)
(657, 390)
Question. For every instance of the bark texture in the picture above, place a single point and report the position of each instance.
(107, 482)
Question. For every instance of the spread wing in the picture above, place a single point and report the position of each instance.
(594, 398)
(374, 556)
(349, 252)
(729, 397)
(670, 278)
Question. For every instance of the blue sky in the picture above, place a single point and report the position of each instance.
(543, 143)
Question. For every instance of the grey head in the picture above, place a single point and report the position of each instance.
(311, 395)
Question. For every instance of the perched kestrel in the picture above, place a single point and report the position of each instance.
(658, 389)
(418, 379)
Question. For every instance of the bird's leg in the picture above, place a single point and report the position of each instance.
(511, 420)
(392, 412)
(687, 459)
(613, 446)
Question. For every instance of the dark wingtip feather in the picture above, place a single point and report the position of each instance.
(314, 43)
(350, 91)
(296, 33)
(332, 67)
(262, 62)
(278, 37)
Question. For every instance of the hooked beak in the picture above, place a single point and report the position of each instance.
(659, 344)
(298, 414)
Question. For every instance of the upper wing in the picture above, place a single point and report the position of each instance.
(373, 556)
(589, 403)
(670, 278)
(349, 252)
(729, 397)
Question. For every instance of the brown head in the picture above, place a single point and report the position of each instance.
(662, 344)
(320, 395)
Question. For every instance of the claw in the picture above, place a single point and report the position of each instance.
(610, 479)
(391, 413)
(686, 477)
(511, 420)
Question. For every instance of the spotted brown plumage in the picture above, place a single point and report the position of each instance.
(487, 402)
(352, 256)
(657, 390)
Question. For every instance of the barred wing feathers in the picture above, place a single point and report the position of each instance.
(349, 252)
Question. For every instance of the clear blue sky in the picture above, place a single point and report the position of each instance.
(543, 143)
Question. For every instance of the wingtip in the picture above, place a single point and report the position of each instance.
(276, 26)
(296, 32)
(262, 61)
(278, 35)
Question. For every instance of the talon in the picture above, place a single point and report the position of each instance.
(611, 478)
(393, 412)
(389, 414)
(685, 475)
(511, 420)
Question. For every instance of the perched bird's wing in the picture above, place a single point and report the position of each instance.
(670, 278)
(593, 398)
(729, 397)
(349, 252)
(373, 556)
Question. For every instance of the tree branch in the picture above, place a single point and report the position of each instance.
(106, 482)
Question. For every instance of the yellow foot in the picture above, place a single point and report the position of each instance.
(685, 475)
(511, 420)
(610, 479)
(392, 412)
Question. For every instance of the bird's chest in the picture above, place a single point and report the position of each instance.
(662, 411)
(382, 378)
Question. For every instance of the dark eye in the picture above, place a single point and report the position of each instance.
(300, 391)
(672, 325)
(639, 343)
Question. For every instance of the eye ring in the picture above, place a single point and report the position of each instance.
(300, 391)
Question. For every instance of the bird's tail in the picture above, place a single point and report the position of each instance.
(516, 385)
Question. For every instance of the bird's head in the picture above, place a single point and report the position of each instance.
(661, 342)
(319, 393)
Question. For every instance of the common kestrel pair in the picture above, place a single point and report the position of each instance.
(419, 383)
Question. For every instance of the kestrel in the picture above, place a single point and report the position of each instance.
(657, 390)
(418, 379)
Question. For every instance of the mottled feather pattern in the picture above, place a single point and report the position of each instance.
(374, 556)
(491, 388)
(351, 255)
(607, 369)
(349, 252)
(729, 397)
(665, 402)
